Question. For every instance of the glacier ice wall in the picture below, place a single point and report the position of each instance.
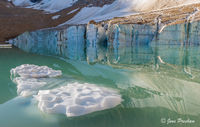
(110, 43)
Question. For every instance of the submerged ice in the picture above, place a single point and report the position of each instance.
(28, 86)
(32, 78)
(77, 99)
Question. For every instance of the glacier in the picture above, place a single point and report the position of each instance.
(105, 42)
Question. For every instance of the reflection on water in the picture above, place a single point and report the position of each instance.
(156, 82)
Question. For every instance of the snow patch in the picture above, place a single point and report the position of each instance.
(55, 17)
(73, 11)
(21, 2)
(50, 6)
(100, 13)
(77, 99)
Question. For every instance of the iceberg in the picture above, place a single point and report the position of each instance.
(32, 78)
(34, 71)
(77, 99)
(71, 99)
(28, 86)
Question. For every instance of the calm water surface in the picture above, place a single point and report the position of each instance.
(160, 87)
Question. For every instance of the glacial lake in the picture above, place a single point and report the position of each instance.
(160, 87)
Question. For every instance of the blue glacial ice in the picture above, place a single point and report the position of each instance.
(104, 42)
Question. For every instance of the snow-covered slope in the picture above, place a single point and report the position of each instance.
(118, 8)
(21, 2)
(46, 5)
(121, 8)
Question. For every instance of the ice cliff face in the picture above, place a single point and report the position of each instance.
(106, 43)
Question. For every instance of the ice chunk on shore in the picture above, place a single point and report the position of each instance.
(77, 99)
(34, 71)
(32, 78)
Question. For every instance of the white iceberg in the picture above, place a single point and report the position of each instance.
(77, 99)
(34, 71)
(28, 86)
(32, 78)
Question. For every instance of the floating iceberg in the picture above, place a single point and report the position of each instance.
(74, 99)
(34, 71)
(77, 99)
(32, 78)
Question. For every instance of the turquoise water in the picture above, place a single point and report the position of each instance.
(159, 86)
